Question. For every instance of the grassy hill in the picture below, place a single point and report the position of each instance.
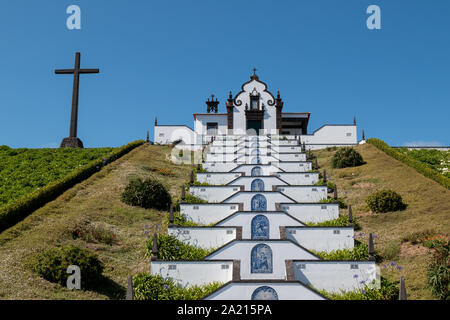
(428, 208)
(96, 203)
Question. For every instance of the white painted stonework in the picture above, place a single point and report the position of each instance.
(304, 194)
(281, 250)
(334, 276)
(213, 193)
(266, 169)
(191, 273)
(269, 182)
(276, 220)
(245, 197)
(204, 237)
(299, 178)
(205, 214)
(322, 238)
(312, 212)
(217, 178)
(244, 290)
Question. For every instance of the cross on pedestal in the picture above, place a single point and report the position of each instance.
(73, 141)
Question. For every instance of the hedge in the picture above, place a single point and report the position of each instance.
(17, 210)
(417, 165)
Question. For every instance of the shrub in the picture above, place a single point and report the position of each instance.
(346, 157)
(189, 198)
(170, 248)
(359, 252)
(17, 210)
(154, 287)
(417, 165)
(340, 201)
(385, 201)
(52, 265)
(438, 272)
(148, 193)
(180, 220)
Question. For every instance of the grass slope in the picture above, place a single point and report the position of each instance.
(95, 202)
(428, 208)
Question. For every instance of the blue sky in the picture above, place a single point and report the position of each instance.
(165, 58)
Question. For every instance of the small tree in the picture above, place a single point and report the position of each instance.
(385, 201)
(149, 193)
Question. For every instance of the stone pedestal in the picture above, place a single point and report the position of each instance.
(71, 142)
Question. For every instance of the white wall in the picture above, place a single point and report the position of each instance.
(312, 194)
(247, 169)
(271, 197)
(322, 238)
(217, 178)
(203, 119)
(312, 212)
(269, 182)
(205, 214)
(218, 166)
(281, 251)
(168, 134)
(203, 237)
(299, 178)
(290, 156)
(332, 134)
(284, 290)
(334, 276)
(244, 220)
(213, 193)
(190, 273)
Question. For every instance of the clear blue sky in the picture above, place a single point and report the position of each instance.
(164, 59)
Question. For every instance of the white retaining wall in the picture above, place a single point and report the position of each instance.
(217, 178)
(245, 197)
(203, 237)
(312, 212)
(219, 166)
(322, 238)
(205, 214)
(269, 182)
(334, 276)
(311, 194)
(284, 290)
(299, 178)
(244, 219)
(294, 166)
(190, 273)
(213, 193)
(281, 251)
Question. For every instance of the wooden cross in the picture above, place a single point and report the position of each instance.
(76, 71)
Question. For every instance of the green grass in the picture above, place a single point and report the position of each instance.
(25, 170)
(95, 202)
(428, 208)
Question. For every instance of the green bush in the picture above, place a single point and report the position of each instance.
(94, 233)
(189, 198)
(148, 193)
(417, 165)
(52, 265)
(438, 272)
(346, 157)
(170, 248)
(388, 291)
(385, 201)
(359, 252)
(154, 287)
(17, 210)
(340, 201)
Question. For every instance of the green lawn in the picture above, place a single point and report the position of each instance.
(25, 170)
